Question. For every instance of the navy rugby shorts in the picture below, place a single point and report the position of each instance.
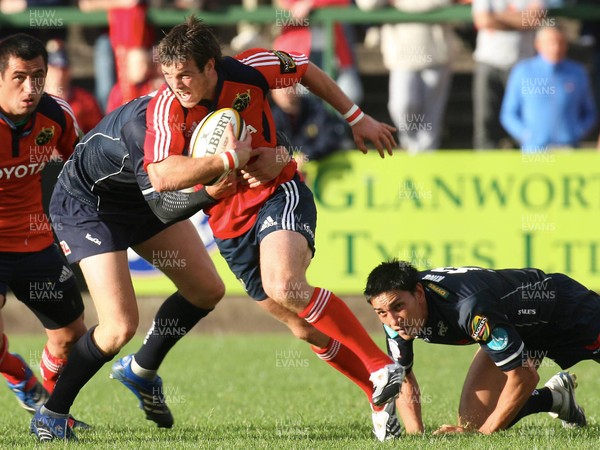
(83, 231)
(574, 334)
(291, 207)
(45, 283)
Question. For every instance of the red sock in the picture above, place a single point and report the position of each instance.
(12, 367)
(50, 368)
(330, 315)
(346, 362)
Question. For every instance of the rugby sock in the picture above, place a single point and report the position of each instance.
(12, 367)
(330, 315)
(50, 368)
(85, 359)
(175, 317)
(346, 362)
(539, 401)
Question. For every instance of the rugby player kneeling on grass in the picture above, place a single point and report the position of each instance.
(517, 316)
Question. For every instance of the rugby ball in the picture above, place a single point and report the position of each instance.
(210, 139)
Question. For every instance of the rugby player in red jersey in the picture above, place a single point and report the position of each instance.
(34, 128)
(266, 230)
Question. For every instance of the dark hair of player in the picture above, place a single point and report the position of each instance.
(392, 275)
(22, 46)
(191, 39)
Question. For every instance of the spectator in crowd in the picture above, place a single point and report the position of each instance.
(505, 36)
(127, 28)
(590, 37)
(549, 101)
(249, 34)
(418, 58)
(43, 27)
(299, 35)
(313, 131)
(58, 83)
(140, 75)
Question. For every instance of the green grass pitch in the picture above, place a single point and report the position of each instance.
(271, 392)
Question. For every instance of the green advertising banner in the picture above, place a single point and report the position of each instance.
(490, 209)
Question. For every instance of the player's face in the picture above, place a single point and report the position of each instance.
(189, 83)
(21, 87)
(403, 311)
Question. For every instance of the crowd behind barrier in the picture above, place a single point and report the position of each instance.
(421, 26)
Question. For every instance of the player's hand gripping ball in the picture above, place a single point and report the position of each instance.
(210, 139)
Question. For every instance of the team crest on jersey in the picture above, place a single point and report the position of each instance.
(241, 101)
(286, 62)
(480, 329)
(44, 136)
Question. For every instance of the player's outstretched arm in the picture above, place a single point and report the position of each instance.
(364, 127)
(408, 405)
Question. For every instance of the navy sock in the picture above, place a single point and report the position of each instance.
(175, 317)
(539, 401)
(85, 359)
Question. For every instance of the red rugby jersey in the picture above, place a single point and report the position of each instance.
(243, 84)
(50, 134)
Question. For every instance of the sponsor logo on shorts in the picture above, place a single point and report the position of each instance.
(65, 274)
(480, 329)
(91, 238)
(268, 223)
(499, 339)
(65, 248)
(442, 328)
(306, 227)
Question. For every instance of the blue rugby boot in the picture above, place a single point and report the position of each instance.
(33, 398)
(48, 426)
(149, 392)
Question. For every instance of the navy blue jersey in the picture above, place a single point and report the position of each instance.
(106, 170)
(513, 314)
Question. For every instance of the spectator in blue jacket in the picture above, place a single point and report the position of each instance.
(548, 101)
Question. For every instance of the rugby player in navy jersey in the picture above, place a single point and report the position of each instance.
(102, 204)
(518, 317)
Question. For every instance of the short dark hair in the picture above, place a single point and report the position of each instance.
(392, 275)
(22, 46)
(191, 39)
